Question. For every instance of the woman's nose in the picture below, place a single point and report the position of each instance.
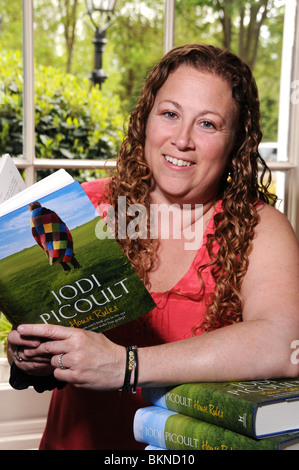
(182, 138)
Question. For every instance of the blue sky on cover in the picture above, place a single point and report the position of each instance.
(70, 203)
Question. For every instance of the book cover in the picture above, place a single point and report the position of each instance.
(57, 267)
(254, 408)
(166, 429)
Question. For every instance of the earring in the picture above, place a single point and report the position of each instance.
(229, 178)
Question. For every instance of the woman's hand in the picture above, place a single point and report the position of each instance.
(82, 358)
(33, 364)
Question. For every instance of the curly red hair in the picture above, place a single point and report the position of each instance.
(235, 224)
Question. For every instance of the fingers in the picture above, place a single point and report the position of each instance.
(64, 375)
(17, 356)
(73, 354)
(20, 355)
(63, 369)
(56, 339)
(23, 349)
(15, 339)
(53, 332)
(39, 365)
(36, 349)
(52, 338)
(16, 349)
(36, 368)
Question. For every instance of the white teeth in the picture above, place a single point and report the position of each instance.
(177, 162)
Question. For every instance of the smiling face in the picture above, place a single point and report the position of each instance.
(189, 136)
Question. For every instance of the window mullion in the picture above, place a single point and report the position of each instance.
(43, 163)
(28, 91)
(169, 15)
(293, 140)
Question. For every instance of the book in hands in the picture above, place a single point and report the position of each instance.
(165, 429)
(54, 266)
(257, 408)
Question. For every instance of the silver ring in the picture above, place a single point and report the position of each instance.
(60, 361)
(16, 355)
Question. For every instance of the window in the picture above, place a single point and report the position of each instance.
(282, 156)
(285, 166)
(29, 162)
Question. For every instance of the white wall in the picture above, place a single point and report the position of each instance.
(22, 415)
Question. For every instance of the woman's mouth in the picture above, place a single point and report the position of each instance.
(177, 161)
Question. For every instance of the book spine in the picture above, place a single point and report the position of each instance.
(162, 428)
(208, 405)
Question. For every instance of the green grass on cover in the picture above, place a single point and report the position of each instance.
(27, 279)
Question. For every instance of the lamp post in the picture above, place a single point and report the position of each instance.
(105, 8)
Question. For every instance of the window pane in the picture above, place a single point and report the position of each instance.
(11, 86)
(268, 151)
(249, 31)
(278, 187)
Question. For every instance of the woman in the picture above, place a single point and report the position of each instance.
(226, 309)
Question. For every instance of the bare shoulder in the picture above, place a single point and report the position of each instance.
(268, 213)
(275, 241)
(272, 277)
(274, 227)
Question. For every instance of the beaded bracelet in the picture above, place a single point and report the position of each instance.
(131, 364)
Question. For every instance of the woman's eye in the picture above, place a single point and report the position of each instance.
(170, 114)
(208, 125)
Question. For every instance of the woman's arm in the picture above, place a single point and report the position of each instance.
(261, 345)
(258, 347)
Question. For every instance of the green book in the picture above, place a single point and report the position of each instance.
(59, 263)
(256, 408)
(165, 429)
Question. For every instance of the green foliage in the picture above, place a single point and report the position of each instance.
(72, 119)
(136, 40)
(5, 328)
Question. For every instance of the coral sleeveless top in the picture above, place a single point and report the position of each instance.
(88, 420)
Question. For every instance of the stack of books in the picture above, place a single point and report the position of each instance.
(250, 415)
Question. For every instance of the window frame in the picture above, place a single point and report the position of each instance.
(288, 121)
(32, 425)
(29, 162)
(288, 136)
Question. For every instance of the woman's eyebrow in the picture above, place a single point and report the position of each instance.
(200, 114)
(215, 113)
(174, 103)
